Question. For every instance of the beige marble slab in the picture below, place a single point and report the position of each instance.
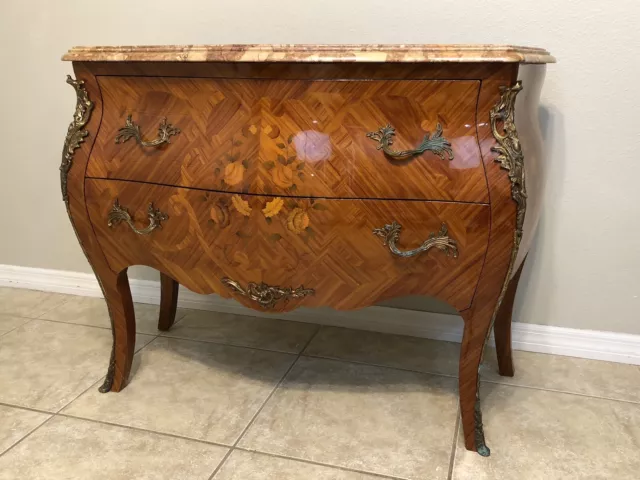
(71, 449)
(371, 419)
(312, 53)
(539, 435)
(243, 465)
(15, 423)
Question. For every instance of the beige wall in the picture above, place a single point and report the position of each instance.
(584, 268)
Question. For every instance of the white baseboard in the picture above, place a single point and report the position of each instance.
(593, 344)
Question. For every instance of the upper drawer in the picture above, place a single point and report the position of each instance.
(292, 137)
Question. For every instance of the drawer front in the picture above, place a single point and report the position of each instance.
(328, 245)
(293, 137)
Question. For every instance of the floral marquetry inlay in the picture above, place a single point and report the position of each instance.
(285, 215)
(242, 206)
(273, 207)
(287, 168)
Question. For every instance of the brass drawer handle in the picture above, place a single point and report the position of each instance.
(436, 144)
(266, 295)
(119, 214)
(441, 241)
(132, 130)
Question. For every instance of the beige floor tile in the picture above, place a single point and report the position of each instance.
(367, 418)
(568, 374)
(93, 311)
(66, 448)
(254, 466)
(45, 364)
(27, 303)
(15, 423)
(267, 333)
(535, 434)
(419, 354)
(195, 389)
(9, 322)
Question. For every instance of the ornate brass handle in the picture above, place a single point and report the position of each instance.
(265, 295)
(441, 241)
(132, 130)
(436, 144)
(119, 214)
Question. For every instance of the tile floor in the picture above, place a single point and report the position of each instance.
(226, 397)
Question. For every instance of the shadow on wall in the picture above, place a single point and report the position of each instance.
(538, 279)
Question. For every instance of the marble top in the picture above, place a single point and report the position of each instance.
(312, 53)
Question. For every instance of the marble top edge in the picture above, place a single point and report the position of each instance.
(325, 53)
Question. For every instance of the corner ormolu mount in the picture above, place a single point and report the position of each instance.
(76, 133)
(511, 158)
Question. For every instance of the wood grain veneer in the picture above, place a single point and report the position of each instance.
(207, 238)
(254, 227)
(303, 138)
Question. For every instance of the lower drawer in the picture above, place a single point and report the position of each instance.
(261, 249)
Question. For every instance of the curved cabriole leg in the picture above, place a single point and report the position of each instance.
(168, 302)
(502, 327)
(117, 294)
(476, 327)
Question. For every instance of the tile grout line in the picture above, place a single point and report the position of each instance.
(227, 344)
(64, 302)
(9, 314)
(100, 379)
(454, 446)
(145, 430)
(299, 355)
(207, 442)
(56, 413)
(103, 422)
(446, 375)
(21, 407)
(576, 394)
(28, 320)
(86, 325)
(273, 391)
(280, 382)
(73, 323)
(221, 445)
(379, 365)
(27, 435)
(320, 464)
(161, 334)
(230, 447)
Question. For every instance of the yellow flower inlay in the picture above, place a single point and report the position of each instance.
(297, 221)
(282, 176)
(273, 207)
(242, 206)
(233, 173)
